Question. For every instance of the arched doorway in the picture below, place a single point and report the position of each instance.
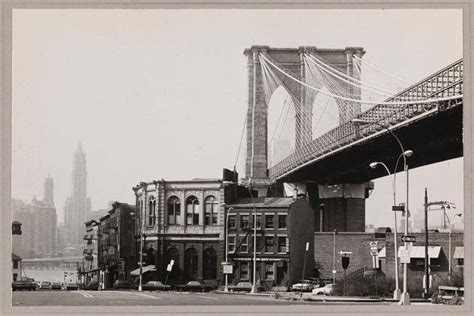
(173, 254)
(191, 264)
(209, 264)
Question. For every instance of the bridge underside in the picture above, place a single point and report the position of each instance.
(433, 139)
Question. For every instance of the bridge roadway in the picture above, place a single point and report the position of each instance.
(434, 131)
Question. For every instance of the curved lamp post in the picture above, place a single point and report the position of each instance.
(450, 230)
(373, 165)
(405, 298)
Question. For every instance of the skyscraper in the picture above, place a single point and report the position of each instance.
(77, 207)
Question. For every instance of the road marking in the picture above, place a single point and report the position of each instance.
(85, 294)
(201, 295)
(147, 296)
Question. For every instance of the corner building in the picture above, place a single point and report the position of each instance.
(181, 221)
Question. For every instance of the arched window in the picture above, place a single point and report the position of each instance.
(209, 264)
(191, 264)
(151, 211)
(211, 207)
(173, 254)
(174, 211)
(192, 210)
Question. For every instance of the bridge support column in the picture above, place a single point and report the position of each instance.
(340, 207)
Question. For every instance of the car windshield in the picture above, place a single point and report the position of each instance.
(194, 283)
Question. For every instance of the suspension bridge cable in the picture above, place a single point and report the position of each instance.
(360, 101)
(241, 139)
(378, 69)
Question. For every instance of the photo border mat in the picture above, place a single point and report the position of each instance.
(6, 136)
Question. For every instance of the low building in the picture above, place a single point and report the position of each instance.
(91, 264)
(115, 244)
(284, 240)
(180, 222)
(16, 244)
(16, 267)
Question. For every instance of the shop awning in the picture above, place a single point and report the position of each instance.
(144, 269)
(458, 253)
(419, 251)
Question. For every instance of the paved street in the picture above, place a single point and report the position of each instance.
(134, 298)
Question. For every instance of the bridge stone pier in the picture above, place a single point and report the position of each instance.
(342, 211)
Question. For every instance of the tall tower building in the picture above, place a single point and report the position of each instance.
(48, 192)
(77, 207)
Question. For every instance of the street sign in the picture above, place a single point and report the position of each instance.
(404, 256)
(345, 262)
(227, 268)
(169, 267)
(171, 262)
(400, 208)
(345, 253)
(408, 238)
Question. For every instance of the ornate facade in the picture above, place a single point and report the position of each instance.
(181, 221)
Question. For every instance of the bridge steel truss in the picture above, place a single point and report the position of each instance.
(445, 83)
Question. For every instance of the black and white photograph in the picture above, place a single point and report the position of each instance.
(236, 159)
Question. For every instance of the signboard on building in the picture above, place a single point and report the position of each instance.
(374, 249)
(408, 238)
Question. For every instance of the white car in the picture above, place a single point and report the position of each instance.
(304, 285)
(325, 290)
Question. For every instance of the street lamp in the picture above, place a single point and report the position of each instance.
(140, 224)
(405, 298)
(254, 285)
(226, 233)
(373, 165)
(450, 229)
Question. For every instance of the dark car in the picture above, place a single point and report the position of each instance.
(121, 285)
(155, 286)
(93, 285)
(71, 286)
(56, 286)
(243, 287)
(24, 284)
(194, 286)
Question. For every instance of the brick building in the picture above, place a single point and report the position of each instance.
(284, 226)
(116, 257)
(359, 244)
(181, 221)
(91, 263)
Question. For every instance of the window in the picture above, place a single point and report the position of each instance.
(269, 221)
(151, 211)
(231, 244)
(244, 271)
(244, 221)
(461, 262)
(282, 221)
(259, 244)
(174, 211)
(211, 210)
(15, 264)
(244, 245)
(259, 221)
(192, 211)
(231, 220)
(282, 244)
(268, 243)
(268, 271)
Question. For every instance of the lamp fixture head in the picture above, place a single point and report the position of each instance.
(408, 153)
(374, 164)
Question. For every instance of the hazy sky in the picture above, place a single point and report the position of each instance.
(157, 94)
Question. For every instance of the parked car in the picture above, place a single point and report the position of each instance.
(243, 287)
(325, 290)
(24, 283)
(155, 286)
(56, 286)
(71, 286)
(45, 285)
(93, 285)
(121, 285)
(194, 286)
(305, 285)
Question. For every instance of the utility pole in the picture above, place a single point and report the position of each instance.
(427, 277)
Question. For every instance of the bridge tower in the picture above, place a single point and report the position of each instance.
(256, 167)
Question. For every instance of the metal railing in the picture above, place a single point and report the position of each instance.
(444, 83)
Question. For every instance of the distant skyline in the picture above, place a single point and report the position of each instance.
(157, 94)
